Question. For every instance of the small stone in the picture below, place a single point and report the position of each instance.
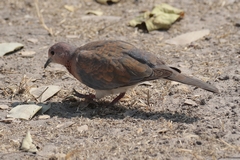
(33, 40)
(65, 125)
(43, 117)
(236, 78)
(198, 143)
(237, 24)
(202, 102)
(129, 113)
(28, 53)
(183, 88)
(222, 40)
(190, 102)
(7, 120)
(139, 131)
(163, 130)
(223, 78)
(82, 128)
(4, 106)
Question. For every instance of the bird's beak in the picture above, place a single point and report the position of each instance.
(47, 63)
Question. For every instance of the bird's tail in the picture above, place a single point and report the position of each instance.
(178, 77)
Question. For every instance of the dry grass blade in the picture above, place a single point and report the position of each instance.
(229, 145)
(184, 150)
(23, 86)
(41, 19)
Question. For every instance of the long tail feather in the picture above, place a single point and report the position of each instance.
(192, 81)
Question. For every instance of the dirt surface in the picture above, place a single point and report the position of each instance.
(158, 126)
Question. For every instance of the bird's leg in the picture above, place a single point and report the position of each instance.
(89, 96)
(121, 95)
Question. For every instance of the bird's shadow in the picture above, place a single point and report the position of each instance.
(68, 109)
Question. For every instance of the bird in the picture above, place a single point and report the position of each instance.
(115, 66)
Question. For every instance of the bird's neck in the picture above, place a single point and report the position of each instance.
(68, 66)
(67, 61)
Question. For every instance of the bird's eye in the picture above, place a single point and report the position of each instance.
(52, 52)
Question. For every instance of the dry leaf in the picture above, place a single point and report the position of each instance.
(9, 47)
(161, 17)
(4, 106)
(167, 9)
(189, 37)
(26, 111)
(69, 8)
(45, 108)
(140, 19)
(161, 21)
(45, 92)
(94, 12)
(27, 144)
(28, 53)
(82, 128)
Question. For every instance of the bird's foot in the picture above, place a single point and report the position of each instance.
(89, 96)
(121, 95)
(92, 96)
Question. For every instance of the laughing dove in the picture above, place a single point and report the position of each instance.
(112, 67)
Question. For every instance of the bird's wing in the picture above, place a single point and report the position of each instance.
(107, 65)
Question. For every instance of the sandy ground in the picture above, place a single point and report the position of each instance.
(161, 126)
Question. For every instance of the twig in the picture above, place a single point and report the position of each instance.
(148, 97)
(42, 20)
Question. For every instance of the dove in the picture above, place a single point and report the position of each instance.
(114, 66)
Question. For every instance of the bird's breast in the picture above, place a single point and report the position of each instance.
(72, 68)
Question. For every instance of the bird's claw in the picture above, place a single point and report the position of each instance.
(89, 96)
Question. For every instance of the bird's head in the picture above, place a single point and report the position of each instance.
(59, 53)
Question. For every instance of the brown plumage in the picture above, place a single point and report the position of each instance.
(112, 67)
